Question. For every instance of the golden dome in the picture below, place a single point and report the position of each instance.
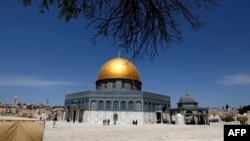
(118, 68)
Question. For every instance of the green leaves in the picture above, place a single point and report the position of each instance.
(26, 2)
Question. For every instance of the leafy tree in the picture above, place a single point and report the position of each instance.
(19, 104)
(138, 26)
(30, 106)
(244, 109)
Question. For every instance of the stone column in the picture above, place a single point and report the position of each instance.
(126, 102)
(134, 103)
(77, 115)
(112, 104)
(97, 105)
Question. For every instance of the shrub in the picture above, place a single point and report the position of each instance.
(228, 118)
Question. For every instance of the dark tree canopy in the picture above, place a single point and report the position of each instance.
(142, 27)
(244, 109)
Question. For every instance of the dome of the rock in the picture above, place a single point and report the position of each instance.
(118, 68)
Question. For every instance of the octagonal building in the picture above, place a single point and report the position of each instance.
(118, 98)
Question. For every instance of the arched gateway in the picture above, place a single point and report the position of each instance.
(118, 98)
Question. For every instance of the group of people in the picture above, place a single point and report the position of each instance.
(106, 122)
(134, 122)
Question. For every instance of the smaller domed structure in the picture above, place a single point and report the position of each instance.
(187, 100)
(188, 107)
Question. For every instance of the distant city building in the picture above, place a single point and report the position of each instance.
(38, 112)
(118, 98)
(14, 104)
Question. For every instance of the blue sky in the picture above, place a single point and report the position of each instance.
(43, 58)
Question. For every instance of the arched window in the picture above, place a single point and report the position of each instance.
(149, 106)
(100, 105)
(79, 104)
(93, 105)
(109, 85)
(130, 105)
(115, 106)
(138, 106)
(118, 84)
(82, 106)
(145, 106)
(128, 86)
(153, 106)
(123, 105)
(108, 105)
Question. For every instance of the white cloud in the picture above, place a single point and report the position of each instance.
(31, 81)
(236, 79)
